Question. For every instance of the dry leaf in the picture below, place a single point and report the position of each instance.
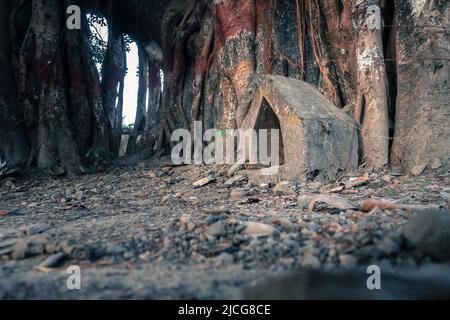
(371, 204)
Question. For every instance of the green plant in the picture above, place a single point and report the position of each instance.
(390, 192)
(126, 127)
(98, 159)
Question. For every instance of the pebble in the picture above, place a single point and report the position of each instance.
(226, 258)
(445, 195)
(436, 164)
(388, 246)
(256, 229)
(418, 170)
(303, 201)
(115, 249)
(310, 261)
(287, 224)
(347, 261)
(215, 230)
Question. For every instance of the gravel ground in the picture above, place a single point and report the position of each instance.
(147, 233)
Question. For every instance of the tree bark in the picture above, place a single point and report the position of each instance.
(371, 112)
(113, 74)
(141, 109)
(56, 142)
(422, 127)
(13, 142)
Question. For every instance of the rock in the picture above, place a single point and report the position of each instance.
(303, 201)
(418, 170)
(256, 229)
(128, 255)
(388, 246)
(215, 230)
(32, 246)
(287, 224)
(51, 262)
(169, 199)
(237, 194)
(347, 261)
(310, 261)
(284, 187)
(226, 258)
(213, 219)
(35, 229)
(79, 195)
(235, 180)
(235, 168)
(115, 249)
(429, 232)
(319, 140)
(331, 201)
(185, 219)
(445, 195)
(215, 211)
(436, 164)
(203, 182)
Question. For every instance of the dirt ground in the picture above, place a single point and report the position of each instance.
(146, 232)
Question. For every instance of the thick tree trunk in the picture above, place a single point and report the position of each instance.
(113, 74)
(56, 142)
(13, 142)
(152, 119)
(215, 54)
(100, 130)
(371, 112)
(141, 109)
(79, 108)
(422, 127)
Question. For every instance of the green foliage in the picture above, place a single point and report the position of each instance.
(98, 38)
(99, 159)
(128, 127)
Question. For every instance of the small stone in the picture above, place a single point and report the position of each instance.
(213, 219)
(310, 261)
(29, 247)
(129, 255)
(215, 231)
(237, 194)
(35, 228)
(52, 262)
(347, 261)
(115, 249)
(235, 168)
(284, 187)
(256, 229)
(445, 195)
(303, 201)
(235, 180)
(418, 170)
(436, 164)
(169, 199)
(79, 195)
(203, 182)
(287, 224)
(388, 246)
(185, 219)
(226, 258)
